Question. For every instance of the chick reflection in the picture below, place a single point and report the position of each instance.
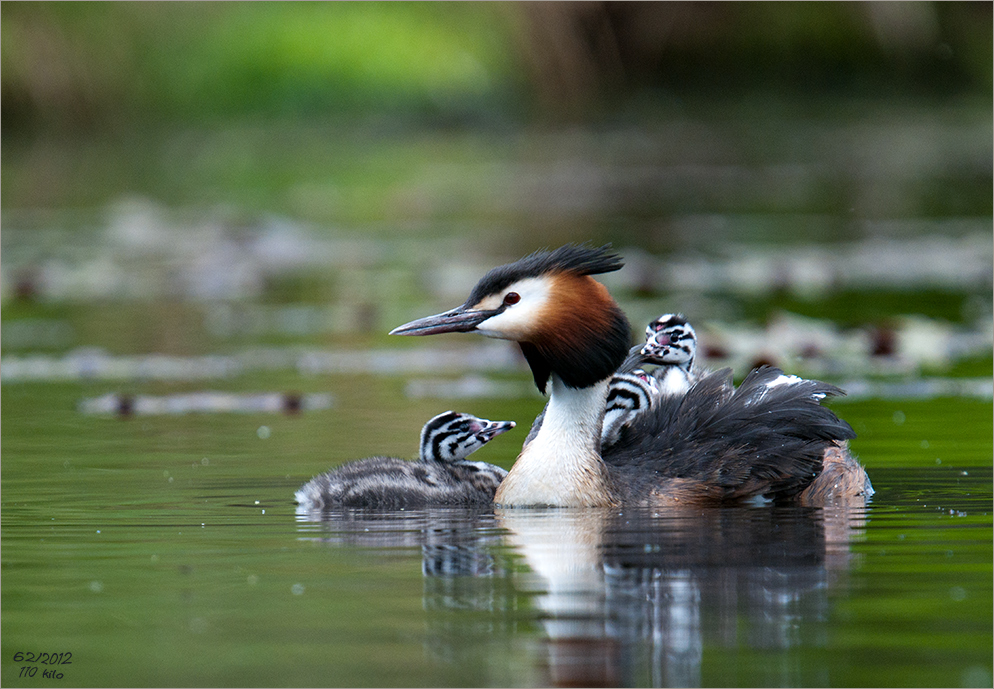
(473, 614)
(632, 597)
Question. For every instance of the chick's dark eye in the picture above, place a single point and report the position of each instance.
(511, 298)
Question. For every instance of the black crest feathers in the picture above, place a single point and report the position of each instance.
(581, 259)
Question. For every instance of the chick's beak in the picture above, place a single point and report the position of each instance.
(495, 428)
(458, 320)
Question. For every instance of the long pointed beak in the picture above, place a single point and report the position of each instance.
(458, 320)
(495, 428)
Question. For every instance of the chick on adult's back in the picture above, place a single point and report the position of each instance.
(671, 346)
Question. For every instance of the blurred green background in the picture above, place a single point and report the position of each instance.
(104, 66)
(376, 157)
(250, 102)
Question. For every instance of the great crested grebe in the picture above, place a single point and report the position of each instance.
(714, 444)
(440, 476)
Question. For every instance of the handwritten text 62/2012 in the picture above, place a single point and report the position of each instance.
(42, 659)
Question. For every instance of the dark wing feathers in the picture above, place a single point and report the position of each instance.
(755, 438)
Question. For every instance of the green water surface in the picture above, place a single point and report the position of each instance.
(165, 551)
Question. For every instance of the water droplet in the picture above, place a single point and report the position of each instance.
(899, 417)
(297, 589)
(263, 432)
(252, 579)
(957, 593)
(205, 461)
(96, 586)
(924, 444)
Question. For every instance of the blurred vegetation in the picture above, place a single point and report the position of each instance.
(102, 66)
(81, 65)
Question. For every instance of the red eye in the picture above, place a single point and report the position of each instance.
(511, 298)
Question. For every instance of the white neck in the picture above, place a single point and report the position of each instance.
(675, 380)
(562, 465)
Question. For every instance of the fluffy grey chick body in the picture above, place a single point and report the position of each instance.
(440, 476)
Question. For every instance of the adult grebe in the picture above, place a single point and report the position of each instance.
(440, 476)
(713, 444)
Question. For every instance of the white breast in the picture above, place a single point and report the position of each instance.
(561, 466)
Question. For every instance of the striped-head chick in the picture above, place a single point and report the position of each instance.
(564, 321)
(630, 394)
(452, 436)
(671, 344)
